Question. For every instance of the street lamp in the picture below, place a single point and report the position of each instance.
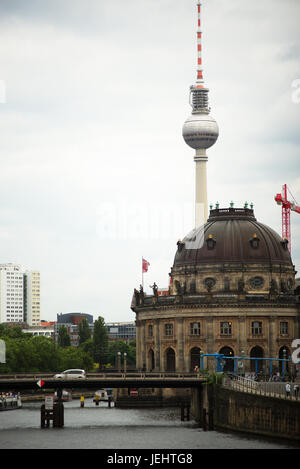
(284, 363)
(119, 362)
(241, 363)
(125, 362)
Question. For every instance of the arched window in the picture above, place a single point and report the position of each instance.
(151, 360)
(170, 360)
(228, 364)
(256, 352)
(284, 354)
(195, 357)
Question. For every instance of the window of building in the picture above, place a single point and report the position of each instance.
(168, 329)
(256, 282)
(150, 330)
(195, 328)
(226, 328)
(256, 328)
(284, 328)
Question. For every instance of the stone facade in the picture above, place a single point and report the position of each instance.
(231, 298)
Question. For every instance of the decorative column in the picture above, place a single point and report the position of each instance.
(272, 338)
(180, 345)
(157, 345)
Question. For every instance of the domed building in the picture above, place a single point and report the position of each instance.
(232, 292)
(232, 285)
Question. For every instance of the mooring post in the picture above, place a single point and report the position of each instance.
(42, 415)
(211, 419)
(185, 411)
(204, 422)
(58, 415)
(188, 412)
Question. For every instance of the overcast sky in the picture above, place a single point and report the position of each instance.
(94, 172)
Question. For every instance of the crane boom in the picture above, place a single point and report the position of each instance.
(286, 207)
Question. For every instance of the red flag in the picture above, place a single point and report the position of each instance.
(145, 265)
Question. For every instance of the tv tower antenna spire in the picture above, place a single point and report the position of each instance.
(200, 131)
(200, 81)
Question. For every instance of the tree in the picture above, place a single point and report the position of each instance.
(74, 357)
(100, 342)
(88, 346)
(122, 347)
(84, 331)
(25, 353)
(63, 337)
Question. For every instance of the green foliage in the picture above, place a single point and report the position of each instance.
(215, 378)
(88, 346)
(28, 354)
(74, 357)
(13, 332)
(63, 337)
(123, 347)
(100, 342)
(84, 331)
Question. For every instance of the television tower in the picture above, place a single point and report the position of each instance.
(200, 131)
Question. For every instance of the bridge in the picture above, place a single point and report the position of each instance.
(27, 382)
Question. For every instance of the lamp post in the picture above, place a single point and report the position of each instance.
(241, 363)
(201, 360)
(125, 362)
(119, 362)
(284, 363)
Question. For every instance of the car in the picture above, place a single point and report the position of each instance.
(71, 374)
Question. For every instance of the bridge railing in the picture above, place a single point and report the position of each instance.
(264, 388)
(104, 375)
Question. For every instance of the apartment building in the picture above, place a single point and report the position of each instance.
(19, 295)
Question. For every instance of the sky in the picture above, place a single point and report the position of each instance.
(94, 172)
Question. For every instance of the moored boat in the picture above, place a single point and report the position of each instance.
(103, 395)
(66, 396)
(10, 401)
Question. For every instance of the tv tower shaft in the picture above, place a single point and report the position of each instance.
(200, 131)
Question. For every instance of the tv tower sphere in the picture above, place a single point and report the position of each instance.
(200, 131)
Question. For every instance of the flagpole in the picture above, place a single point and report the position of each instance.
(142, 273)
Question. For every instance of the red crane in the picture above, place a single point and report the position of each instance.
(286, 207)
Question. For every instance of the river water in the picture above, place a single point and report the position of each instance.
(94, 427)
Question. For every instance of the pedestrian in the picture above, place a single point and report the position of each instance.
(296, 390)
(82, 401)
(287, 389)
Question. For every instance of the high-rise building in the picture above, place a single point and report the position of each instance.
(19, 295)
(11, 293)
(32, 298)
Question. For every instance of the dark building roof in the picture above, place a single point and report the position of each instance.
(74, 318)
(232, 235)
